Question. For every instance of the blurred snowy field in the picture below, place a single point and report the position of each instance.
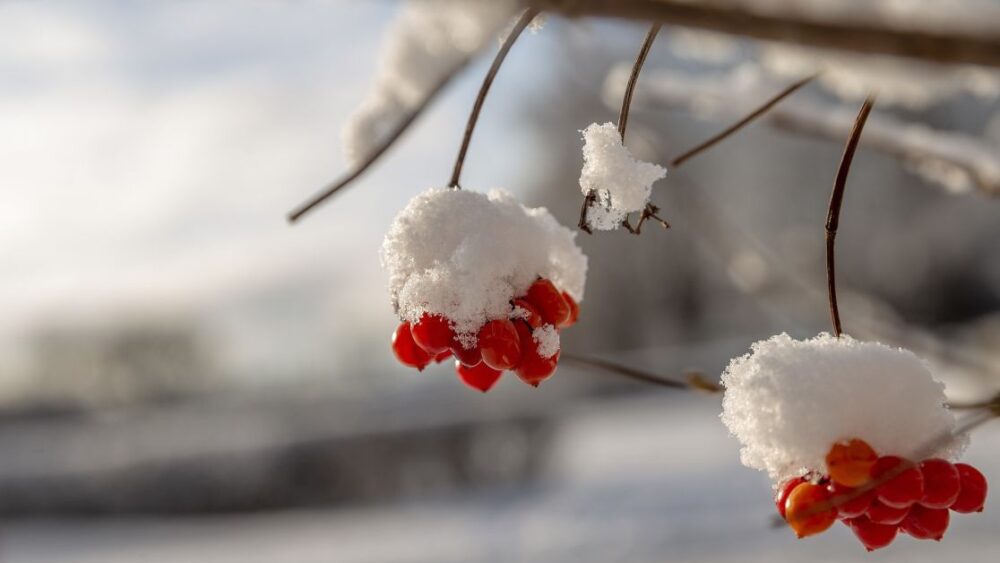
(651, 479)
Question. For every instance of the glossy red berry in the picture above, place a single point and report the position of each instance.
(941, 483)
(442, 356)
(532, 316)
(500, 345)
(880, 513)
(480, 377)
(786, 489)
(972, 497)
(468, 356)
(533, 368)
(872, 535)
(849, 502)
(901, 483)
(808, 509)
(549, 302)
(926, 523)
(574, 310)
(849, 463)
(433, 334)
(406, 350)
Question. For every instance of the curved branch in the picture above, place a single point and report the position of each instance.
(694, 382)
(633, 78)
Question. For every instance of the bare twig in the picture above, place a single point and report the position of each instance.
(695, 381)
(833, 213)
(860, 34)
(477, 107)
(680, 159)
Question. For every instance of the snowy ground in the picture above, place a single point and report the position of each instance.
(638, 480)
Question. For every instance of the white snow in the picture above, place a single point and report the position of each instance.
(547, 338)
(464, 255)
(789, 400)
(621, 183)
(429, 41)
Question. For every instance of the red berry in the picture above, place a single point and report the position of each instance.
(500, 345)
(926, 523)
(549, 302)
(883, 514)
(468, 356)
(849, 463)
(784, 491)
(974, 490)
(872, 535)
(533, 368)
(941, 483)
(900, 482)
(442, 356)
(480, 377)
(574, 310)
(849, 502)
(433, 334)
(406, 350)
(533, 317)
(808, 509)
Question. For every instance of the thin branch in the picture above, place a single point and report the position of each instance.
(864, 33)
(680, 159)
(389, 140)
(694, 382)
(833, 213)
(633, 78)
(477, 107)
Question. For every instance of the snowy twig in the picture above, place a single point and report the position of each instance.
(833, 214)
(860, 34)
(695, 381)
(524, 21)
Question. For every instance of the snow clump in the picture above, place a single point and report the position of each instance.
(465, 255)
(621, 183)
(788, 401)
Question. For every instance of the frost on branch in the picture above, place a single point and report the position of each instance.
(428, 41)
(621, 183)
(466, 255)
(789, 400)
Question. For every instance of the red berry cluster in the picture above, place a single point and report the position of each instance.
(878, 496)
(502, 344)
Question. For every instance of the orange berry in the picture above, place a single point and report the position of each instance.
(809, 510)
(850, 463)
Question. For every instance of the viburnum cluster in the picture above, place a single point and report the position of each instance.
(836, 423)
(484, 279)
(877, 496)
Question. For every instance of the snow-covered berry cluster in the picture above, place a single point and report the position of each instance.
(817, 415)
(877, 496)
(484, 279)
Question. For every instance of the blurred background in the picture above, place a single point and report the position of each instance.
(185, 377)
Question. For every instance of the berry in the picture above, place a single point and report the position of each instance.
(880, 513)
(850, 463)
(442, 356)
(433, 334)
(849, 502)
(872, 535)
(549, 302)
(900, 482)
(574, 311)
(480, 377)
(500, 345)
(808, 509)
(784, 491)
(468, 356)
(926, 523)
(533, 318)
(406, 350)
(941, 483)
(533, 368)
(972, 498)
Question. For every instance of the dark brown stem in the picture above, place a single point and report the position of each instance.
(833, 213)
(477, 107)
(709, 143)
(633, 78)
(695, 381)
(868, 36)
